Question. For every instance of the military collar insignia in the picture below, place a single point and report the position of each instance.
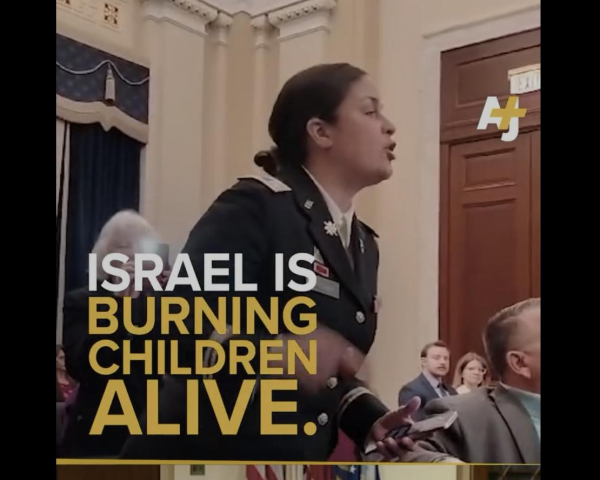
(330, 228)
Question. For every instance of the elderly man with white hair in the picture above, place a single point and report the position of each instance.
(128, 233)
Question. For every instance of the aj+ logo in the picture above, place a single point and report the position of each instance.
(506, 118)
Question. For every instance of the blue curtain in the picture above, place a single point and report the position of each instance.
(104, 177)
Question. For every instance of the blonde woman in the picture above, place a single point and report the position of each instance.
(471, 373)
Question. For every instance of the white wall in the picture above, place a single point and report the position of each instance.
(172, 199)
(84, 22)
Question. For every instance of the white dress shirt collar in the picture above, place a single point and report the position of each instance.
(334, 210)
(434, 381)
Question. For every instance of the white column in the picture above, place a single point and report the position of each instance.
(260, 135)
(218, 138)
(303, 35)
(174, 35)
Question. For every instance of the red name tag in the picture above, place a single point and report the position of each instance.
(321, 269)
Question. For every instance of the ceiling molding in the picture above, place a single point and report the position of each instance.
(223, 20)
(192, 15)
(200, 8)
(306, 8)
(251, 7)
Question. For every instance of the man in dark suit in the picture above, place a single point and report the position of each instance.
(435, 363)
(496, 424)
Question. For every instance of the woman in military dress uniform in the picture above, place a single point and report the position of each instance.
(331, 141)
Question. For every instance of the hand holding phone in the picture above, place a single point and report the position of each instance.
(425, 427)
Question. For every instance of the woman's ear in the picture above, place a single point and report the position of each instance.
(319, 132)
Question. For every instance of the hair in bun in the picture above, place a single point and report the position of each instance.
(267, 160)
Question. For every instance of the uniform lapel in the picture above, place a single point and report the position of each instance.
(517, 419)
(365, 261)
(311, 203)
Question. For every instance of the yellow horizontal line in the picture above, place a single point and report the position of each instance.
(112, 461)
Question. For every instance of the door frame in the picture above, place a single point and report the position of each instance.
(431, 191)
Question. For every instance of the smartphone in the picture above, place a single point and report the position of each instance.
(423, 428)
(429, 425)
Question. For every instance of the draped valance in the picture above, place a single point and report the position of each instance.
(96, 86)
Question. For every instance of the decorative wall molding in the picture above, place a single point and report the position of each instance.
(530, 14)
(192, 15)
(221, 27)
(195, 15)
(223, 20)
(233, 7)
(300, 10)
(261, 22)
(261, 27)
(251, 7)
(196, 7)
(105, 115)
(302, 18)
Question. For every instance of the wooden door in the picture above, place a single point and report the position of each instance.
(490, 192)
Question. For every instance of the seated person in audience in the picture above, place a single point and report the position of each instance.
(471, 373)
(498, 424)
(429, 385)
(128, 233)
(65, 385)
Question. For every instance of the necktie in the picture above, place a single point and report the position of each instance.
(443, 390)
(344, 237)
(343, 232)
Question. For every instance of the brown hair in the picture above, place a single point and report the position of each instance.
(426, 348)
(500, 330)
(463, 362)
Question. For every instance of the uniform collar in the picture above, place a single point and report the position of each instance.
(334, 210)
(312, 204)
